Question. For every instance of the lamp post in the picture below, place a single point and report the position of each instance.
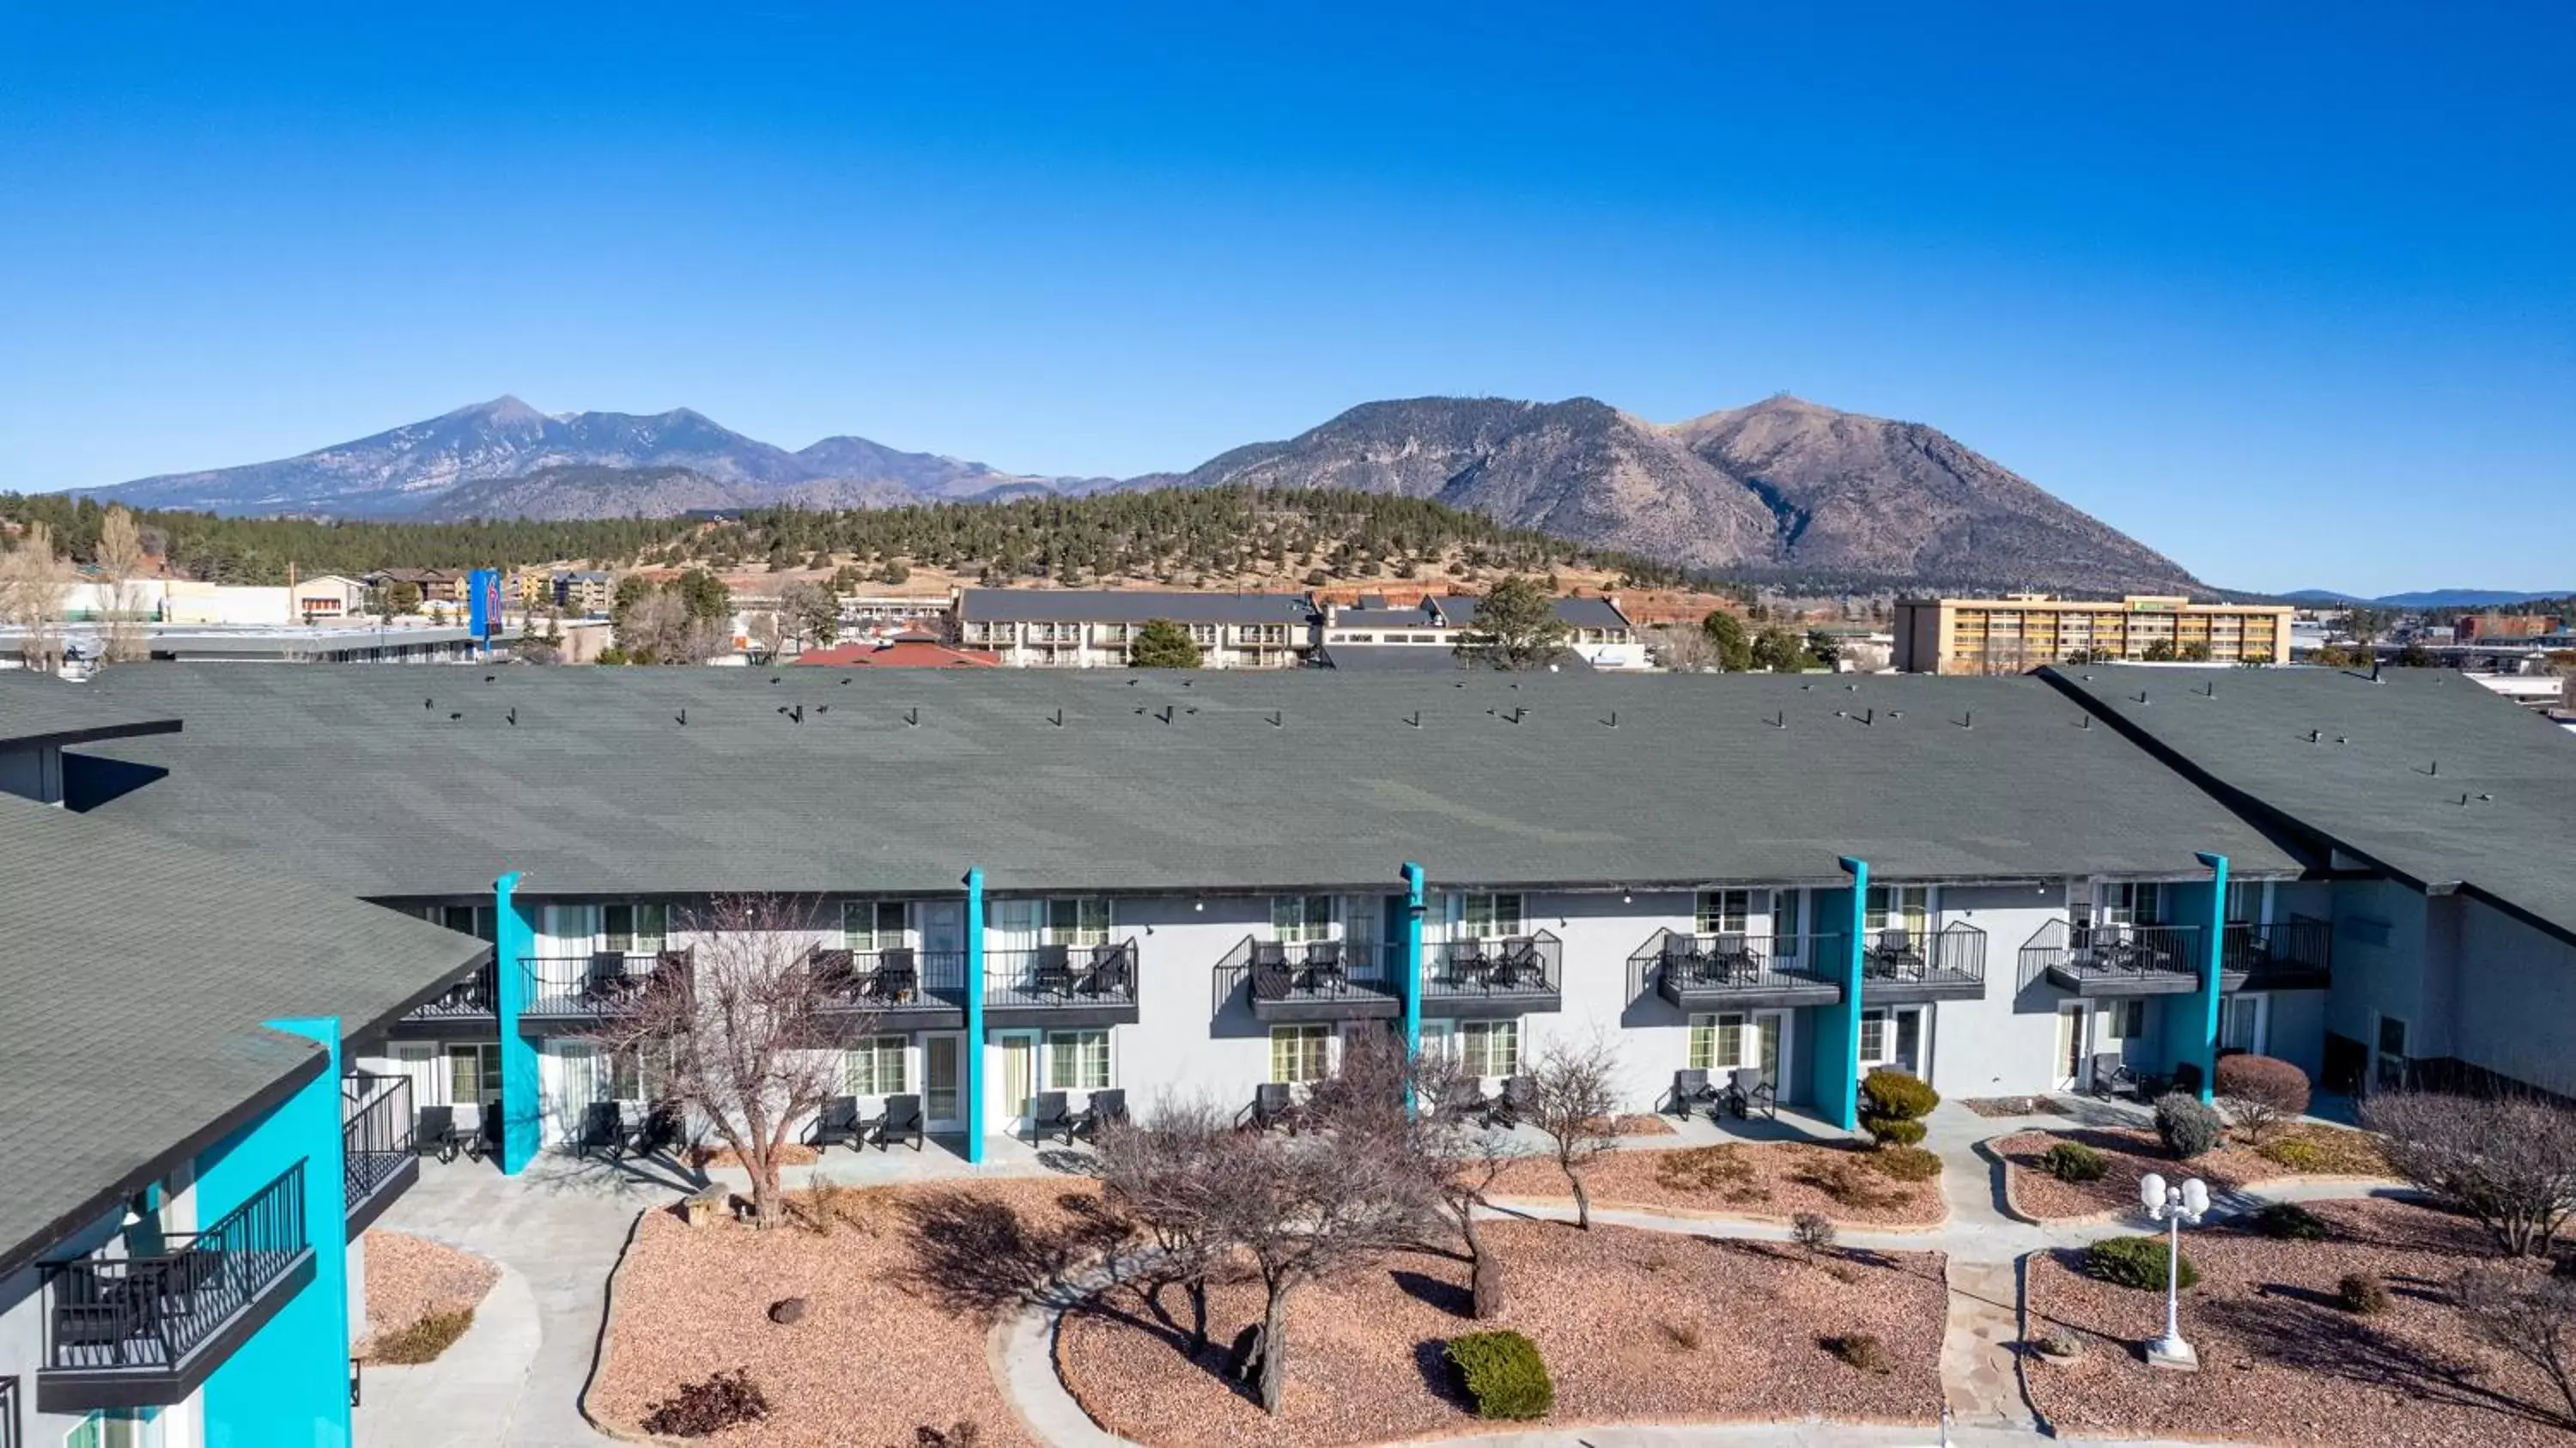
(2173, 1206)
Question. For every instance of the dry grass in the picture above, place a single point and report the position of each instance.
(411, 1280)
(422, 1341)
(1634, 1326)
(2132, 1152)
(2280, 1361)
(1769, 1180)
(2001, 1106)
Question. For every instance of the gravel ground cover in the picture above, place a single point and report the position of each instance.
(409, 1278)
(1745, 1179)
(2132, 1153)
(1994, 1106)
(1634, 1326)
(2280, 1362)
(899, 1294)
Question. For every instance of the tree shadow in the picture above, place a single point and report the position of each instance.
(1431, 1291)
(974, 1255)
(2288, 1330)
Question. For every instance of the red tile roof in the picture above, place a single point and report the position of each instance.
(903, 653)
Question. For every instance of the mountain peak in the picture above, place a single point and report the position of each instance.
(504, 408)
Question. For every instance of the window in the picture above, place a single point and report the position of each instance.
(1077, 1060)
(2124, 1020)
(1485, 916)
(1716, 1042)
(1300, 1053)
(872, 925)
(2240, 1023)
(2133, 904)
(1723, 912)
(116, 1428)
(2392, 1054)
(2244, 901)
(875, 1066)
(1083, 921)
(634, 929)
(474, 920)
(1295, 918)
(474, 1073)
(1788, 914)
(1490, 1048)
(1873, 1037)
(1900, 907)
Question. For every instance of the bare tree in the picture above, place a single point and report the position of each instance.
(746, 1033)
(1575, 1102)
(1169, 1177)
(1462, 1158)
(121, 559)
(2529, 1313)
(2506, 1162)
(1681, 648)
(33, 582)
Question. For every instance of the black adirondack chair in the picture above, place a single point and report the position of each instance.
(900, 1122)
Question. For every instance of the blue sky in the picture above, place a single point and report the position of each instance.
(2289, 292)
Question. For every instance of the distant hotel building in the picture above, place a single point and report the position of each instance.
(2025, 630)
(1091, 628)
(1426, 635)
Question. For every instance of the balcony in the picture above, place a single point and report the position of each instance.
(905, 989)
(1061, 985)
(1484, 979)
(1317, 980)
(469, 1008)
(2296, 954)
(378, 1163)
(567, 994)
(1734, 971)
(1898, 967)
(145, 1331)
(2114, 960)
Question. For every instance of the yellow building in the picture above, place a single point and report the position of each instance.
(2022, 631)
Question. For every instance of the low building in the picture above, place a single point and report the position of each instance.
(1092, 628)
(2022, 631)
(327, 598)
(436, 585)
(2486, 627)
(902, 651)
(587, 592)
(1373, 635)
(85, 645)
(932, 612)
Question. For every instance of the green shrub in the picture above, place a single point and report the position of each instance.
(2295, 1152)
(1861, 1350)
(1889, 1131)
(2290, 1222)
(2362, 1293)
(2073, 1161)
(424, 1340)
(1892, 1103)
(2189, 1126)
(1906, 1163)
(2134, 1262)
(1502, 1375)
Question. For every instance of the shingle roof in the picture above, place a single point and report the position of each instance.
(2387, 772)
(1110, 605)
(1421, 659)
(1162, 780)
(1572, 612)
(41, 709)
(1418, 616)
(134, 975)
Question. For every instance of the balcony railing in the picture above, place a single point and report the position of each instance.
(2114, 960)
(1315, 980)
(1518, 972)
(1945, 964)
(1733, 969)
(473, 999)
(377, 1134)
(2281, 953)
(1089, 983)
(597, 985)
(897, 981)
(144, 1330)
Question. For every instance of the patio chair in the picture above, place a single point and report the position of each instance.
(1274, 1104)
(191, 1270)
(840, 1122)
(605, 980)
(1461, 1099)
(900, 1121)
(2186, 1078)
(1106, 1108)
(660, 1130)
(1746, 1091)
(1690, 1088)
(96, 1326)
(1271, 980)
(1733, 958)
(1051, 971)
(1896, 954)
(1324, 970)
(836, 972)
(1517, 1103)
(1519, 967)
(434, 1132)
(1111, 973)
(603, 1128)
(898, 975)
(1682, 957)
(475, 1127)
(2112, 1076)
(1052, 1116)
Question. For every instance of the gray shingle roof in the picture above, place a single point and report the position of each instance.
(41, 709)
(2386, 775)
(1573, 612)
(134, 974)
(1110, 605)
(1421, 659)
(341, 775)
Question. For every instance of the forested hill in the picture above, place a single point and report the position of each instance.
(1170, 535)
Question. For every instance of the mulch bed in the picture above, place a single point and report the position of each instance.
(1634, 1326)
(2132, 1152)
(2000, 1106)
(1743, 1179)
(899, 1295)
(409, 1278)
(2280, 1363)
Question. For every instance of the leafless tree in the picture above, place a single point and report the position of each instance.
(1681, 648)
(121, 559)
(743, 1032)
(1169, 1176)
(1575, 1102)
(1462, 1158)
(2531, 1314)
(2507, 1162)
(33, 582)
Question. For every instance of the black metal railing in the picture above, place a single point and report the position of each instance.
(2101, 954)
(149, 1313)
(1062, 975)
(1732, 962)
(475, 998)
(1515, 965)
(894, 979)
(377, 1134)
(598, 983)
(1313, 972)
(2300, 945)
(1954, 955)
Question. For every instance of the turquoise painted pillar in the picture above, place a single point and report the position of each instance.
(975, 1015)
(1836, 1080)
(289, 1383)
(1409, 982)
(514, 940)
(2213, 960)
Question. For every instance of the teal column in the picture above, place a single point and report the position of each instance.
(1835, 1083)
(1409, 982)
(2213, 958)
(289, 1383)
(514, 940)
(975, 1016)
